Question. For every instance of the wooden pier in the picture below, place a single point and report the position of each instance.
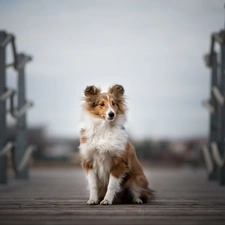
(59, 196)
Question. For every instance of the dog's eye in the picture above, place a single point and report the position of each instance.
(102, 104)
(113, 103)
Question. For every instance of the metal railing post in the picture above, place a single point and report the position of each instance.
(214, 122)
(21, 137)
(3, 159)
(222, 115)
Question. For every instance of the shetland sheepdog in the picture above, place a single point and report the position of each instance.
(113, 171)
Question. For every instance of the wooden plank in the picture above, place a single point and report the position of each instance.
(59, 197)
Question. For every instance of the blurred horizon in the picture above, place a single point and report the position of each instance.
(64, 152)
(153, 48)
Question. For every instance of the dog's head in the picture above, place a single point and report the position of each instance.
(105, 105)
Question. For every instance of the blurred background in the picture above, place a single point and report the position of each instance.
(154, 48)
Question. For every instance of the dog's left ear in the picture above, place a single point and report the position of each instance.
(91, 91)
(116, 90)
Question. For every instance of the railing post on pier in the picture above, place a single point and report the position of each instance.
(221, 175)
(214, 122)
(20, 151)
(215, 154)
(3, 159)
(21, 137)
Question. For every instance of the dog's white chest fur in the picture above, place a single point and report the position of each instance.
(103, 143)
(101, 167)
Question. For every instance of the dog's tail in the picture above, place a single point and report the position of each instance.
(147, 195)
(126, 197)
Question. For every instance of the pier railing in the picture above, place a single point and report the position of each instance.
(214, 153)
(20, 152)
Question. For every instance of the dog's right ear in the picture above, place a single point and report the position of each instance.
(117, 90)
(91, 90)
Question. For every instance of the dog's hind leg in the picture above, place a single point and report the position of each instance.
(135, 192)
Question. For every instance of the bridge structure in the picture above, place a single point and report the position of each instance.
(59, 195)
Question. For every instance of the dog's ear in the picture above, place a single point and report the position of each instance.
(91, 91)
(117, 90)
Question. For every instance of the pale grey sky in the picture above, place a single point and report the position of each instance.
(153, 48)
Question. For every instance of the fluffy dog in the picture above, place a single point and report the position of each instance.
(114, 173)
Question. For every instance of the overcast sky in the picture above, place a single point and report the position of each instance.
(153, 48)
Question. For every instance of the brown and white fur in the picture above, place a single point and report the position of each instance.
(114, 173)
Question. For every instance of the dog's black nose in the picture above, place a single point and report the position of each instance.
(111, 114)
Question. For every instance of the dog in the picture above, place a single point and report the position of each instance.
(113, 171)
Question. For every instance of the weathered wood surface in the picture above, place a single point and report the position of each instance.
(58, 196)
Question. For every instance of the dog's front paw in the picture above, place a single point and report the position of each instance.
(92, 202)
(137, 201)
(106, 202)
